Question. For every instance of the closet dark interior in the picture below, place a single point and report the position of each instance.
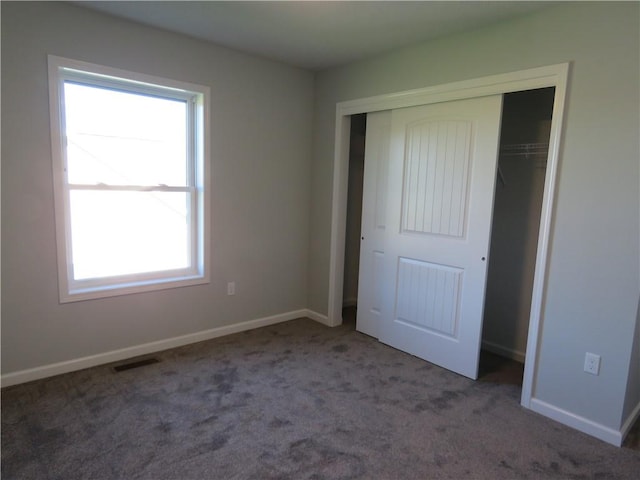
(519, 189)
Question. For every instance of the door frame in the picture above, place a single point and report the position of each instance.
(548, 76)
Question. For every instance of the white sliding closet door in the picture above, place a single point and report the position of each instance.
(374, 211)
(433, 258)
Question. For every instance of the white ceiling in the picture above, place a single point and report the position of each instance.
(316, 34)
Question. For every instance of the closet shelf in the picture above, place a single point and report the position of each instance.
(536, 151)
(526, 149)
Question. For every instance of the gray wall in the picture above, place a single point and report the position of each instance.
(261, 153)
(593, 274)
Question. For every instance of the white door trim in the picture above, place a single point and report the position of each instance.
(547, 76)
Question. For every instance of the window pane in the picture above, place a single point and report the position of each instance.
(120, 233)
(120, 138)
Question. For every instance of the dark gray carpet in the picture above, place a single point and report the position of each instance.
(292, 401)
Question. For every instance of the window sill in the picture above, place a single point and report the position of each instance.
(92, 293)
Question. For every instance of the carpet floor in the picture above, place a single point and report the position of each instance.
(295, 400)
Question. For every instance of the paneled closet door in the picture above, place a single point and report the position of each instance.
(374, 211)
(434, 256)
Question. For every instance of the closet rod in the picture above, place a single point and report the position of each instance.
(526, 149)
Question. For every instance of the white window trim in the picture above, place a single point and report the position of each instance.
(61, 69)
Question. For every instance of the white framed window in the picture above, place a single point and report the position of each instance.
(130, 180)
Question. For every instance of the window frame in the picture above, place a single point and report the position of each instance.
(63, 70)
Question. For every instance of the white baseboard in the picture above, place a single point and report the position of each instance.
(45, 371)
(318, 317)
(350, 302)
(606, 434)
(626, 426)
(516, 355)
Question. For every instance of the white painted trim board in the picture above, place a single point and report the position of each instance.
(511, 353)
(602, 432)
(630, 421)
(67, 366)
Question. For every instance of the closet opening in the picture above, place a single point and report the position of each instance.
(519, 190)
(525, 129)
(354, 218)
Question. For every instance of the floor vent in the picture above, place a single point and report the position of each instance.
(136, 364)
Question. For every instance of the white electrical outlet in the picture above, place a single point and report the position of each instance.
(231, 288)
(592, 363)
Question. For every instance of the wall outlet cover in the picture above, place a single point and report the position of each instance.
(592, 363)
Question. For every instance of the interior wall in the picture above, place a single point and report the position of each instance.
(526, 119)
(354, 210)
(261, 132)
(593, 275)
